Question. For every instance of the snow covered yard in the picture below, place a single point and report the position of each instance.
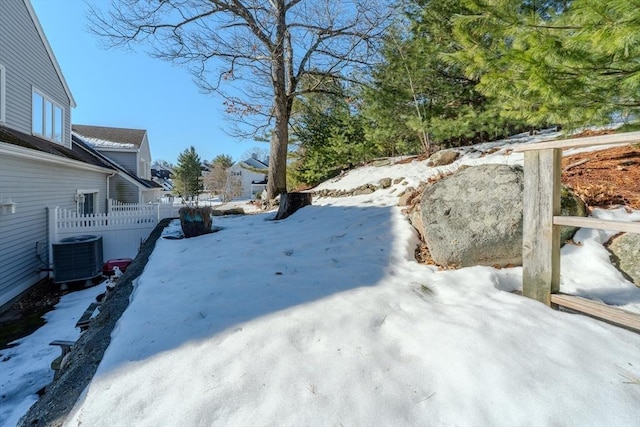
(325, 318)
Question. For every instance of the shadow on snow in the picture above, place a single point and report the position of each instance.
(195, 289)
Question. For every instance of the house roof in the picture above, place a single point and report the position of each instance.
(47, 47)
(146, 183)
(108, 137)
(254, 163)
(17, 138)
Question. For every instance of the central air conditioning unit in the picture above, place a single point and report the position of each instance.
(77, 258)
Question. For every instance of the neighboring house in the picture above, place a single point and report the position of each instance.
(128, 150)
(163, 175)
(253, 175)
(40, 165)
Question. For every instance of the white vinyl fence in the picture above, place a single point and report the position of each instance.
(123, 229)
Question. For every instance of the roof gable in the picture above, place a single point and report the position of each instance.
(145, 183)
(109, 137)
(254, 163)
(52, 57)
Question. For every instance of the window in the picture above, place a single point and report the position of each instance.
(2, 93)
(86, 201)
(48, 117)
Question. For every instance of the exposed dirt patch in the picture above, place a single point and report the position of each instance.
(25, 315)
(606, 177)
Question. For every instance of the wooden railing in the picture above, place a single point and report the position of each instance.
(542, 221)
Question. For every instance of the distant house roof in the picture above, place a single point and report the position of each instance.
(14, 137)
(160, 167)
(108, 137)
(78, 140)
(254, 163)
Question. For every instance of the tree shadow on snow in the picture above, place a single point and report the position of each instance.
(195, 289)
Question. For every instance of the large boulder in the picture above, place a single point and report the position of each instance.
(474, 217)
(625, 254)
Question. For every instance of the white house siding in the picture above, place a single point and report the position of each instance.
(144, 159)
(247, 176)
(27, 64)
(20, 232)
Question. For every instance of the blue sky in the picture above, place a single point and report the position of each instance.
(121, 88)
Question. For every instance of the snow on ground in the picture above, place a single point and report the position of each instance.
(325, 318)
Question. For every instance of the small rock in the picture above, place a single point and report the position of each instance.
(443, 157)
(385, 182)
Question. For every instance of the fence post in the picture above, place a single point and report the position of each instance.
(541, 239)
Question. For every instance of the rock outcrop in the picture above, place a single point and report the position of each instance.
(474, 217)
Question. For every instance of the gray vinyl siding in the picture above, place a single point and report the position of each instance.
(34, 186)
(123, 190)
(27, 65)
(126, 159)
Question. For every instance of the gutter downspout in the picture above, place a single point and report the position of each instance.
(110, 176)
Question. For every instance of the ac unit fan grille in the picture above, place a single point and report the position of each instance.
(77, 258)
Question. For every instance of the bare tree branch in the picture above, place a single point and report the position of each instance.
(253, 53)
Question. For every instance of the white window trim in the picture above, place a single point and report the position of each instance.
(79, 198)
(45, 97)
(3, 93)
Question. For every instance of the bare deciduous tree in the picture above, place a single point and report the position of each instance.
(221, 181)
(270, 45)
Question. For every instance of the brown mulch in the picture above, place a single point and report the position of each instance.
(606, 177)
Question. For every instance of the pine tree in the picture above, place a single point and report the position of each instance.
(329, 135)
(188, 175)
(419, 99)
(570, 63)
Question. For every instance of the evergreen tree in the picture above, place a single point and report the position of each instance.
(329, 135)
(571, 63)
(417, 99)
(224, 160)
(188, 175)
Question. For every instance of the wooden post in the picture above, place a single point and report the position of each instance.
(541, 239)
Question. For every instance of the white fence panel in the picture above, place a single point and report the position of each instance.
(122, 232)
(165, 208)
(168, 210)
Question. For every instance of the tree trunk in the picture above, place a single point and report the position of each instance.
(291, 202)
(277, 180)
